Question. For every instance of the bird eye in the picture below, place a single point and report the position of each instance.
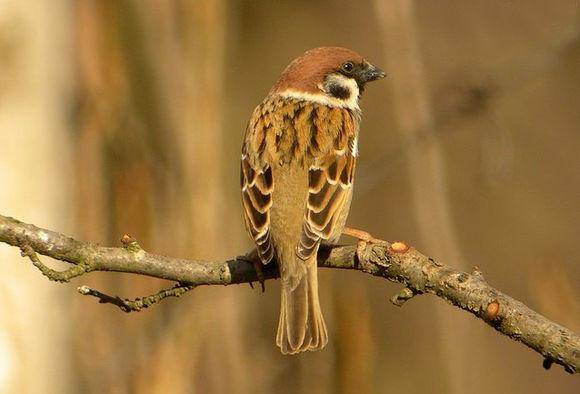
(347, 67)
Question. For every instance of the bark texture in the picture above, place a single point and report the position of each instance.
(396, 262)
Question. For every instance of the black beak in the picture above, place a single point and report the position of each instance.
(371, 73)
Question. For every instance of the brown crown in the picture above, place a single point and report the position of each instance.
(308, 70)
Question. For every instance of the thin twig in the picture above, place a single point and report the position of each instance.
(53, 275)
(140, 303)
(417, 272)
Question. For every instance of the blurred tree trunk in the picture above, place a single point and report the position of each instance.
(426, 167)
(150, 152)
(35, 166)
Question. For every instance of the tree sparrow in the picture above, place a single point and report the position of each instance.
(298, 162)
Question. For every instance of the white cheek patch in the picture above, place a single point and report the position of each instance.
(351, 102)
(347, 84)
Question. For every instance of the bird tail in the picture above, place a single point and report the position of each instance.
(301, 326)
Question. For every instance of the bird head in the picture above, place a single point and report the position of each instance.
(329, 75)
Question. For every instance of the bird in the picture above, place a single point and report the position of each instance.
(298, 164)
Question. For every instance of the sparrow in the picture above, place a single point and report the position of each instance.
(297, 169)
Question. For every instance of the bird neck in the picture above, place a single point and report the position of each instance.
(324, 98)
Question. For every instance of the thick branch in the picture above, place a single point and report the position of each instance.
(395, 262)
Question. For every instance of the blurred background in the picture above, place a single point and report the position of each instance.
(127, 117)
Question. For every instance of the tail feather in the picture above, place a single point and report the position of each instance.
(301, 326)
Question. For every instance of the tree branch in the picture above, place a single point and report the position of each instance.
(393, 261)
(138, 303)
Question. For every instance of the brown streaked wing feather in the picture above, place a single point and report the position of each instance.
(330, 181)
(262, 147)
(329, 177)
(257, 187)
(256, 179)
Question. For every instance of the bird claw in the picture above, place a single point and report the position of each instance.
(253, 259)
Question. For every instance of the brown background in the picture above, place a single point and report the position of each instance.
(127, 117)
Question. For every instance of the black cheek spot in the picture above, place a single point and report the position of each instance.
(338, 91)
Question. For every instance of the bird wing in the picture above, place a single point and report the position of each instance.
(257, 186)
(330, 180)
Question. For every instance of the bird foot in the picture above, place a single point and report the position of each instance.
(254, 259)
(364, 239)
